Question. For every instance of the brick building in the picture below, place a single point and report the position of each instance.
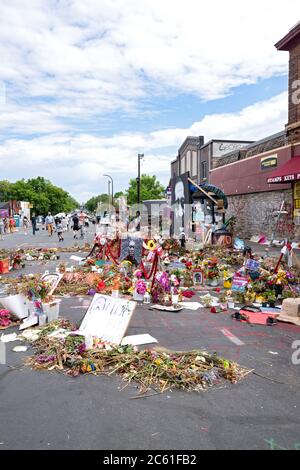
(198, 158)
(262, 180)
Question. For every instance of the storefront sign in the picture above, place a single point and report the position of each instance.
(285, 179)
(268, 162)
(221, 148)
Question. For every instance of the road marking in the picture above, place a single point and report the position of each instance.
(232, 337)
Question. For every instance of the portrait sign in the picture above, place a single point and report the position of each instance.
(131, 250)
(198, 279)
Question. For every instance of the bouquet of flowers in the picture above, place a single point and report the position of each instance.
(141, 287)
(212, 271)
(5, 319)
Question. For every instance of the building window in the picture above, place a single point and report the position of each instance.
(188, 161)
(194, 163)
(204, 170)
(182, 165)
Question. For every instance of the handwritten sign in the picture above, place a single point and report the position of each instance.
(107, 318)
(53, 279)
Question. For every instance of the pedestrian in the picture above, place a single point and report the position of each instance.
(49, 223)
(64, 223)
(12, 224)
(6, 225)
(81, 223)
(59, 229)
(33, 223)
(1, 228)
(25, 224)
(76, 227)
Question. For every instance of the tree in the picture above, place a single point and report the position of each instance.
(5, 190)
(41, 193)
(119, 194)
(151, 188)
(91, 204)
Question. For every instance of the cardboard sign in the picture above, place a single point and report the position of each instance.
(239, 283)
(53, 279)
(107, 318)
(252, 265)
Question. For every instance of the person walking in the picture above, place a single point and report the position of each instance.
(12, 224)
(33, 223)
(1, 228)
(25, 224)
(49, 223)
(81, 223)
(59, 229)
(64, 223)
(6, 225)
(76, 227)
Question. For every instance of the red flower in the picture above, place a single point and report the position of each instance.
(101, 285)
(189, 264)
(188, 293)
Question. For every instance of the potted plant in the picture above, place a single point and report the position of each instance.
(271, 298)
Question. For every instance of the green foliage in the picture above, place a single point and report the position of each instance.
(41, 193)
(119, 194)
(151, 188)
(91, 204)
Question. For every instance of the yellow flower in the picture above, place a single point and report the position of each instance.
(151, 245)
(158, 362)
(125, 263)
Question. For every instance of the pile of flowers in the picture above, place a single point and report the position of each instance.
(158, 369)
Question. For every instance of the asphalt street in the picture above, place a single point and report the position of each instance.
(48, 410)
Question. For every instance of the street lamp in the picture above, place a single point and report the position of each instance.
(138, 180)
(112, 189)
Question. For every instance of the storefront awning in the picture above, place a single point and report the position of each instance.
(287, 173)
(210, 188)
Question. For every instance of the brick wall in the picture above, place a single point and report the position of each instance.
(293, 127)
(254, 214)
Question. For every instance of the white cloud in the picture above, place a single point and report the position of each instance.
(67, 65)
(78, 163)
(93, 57)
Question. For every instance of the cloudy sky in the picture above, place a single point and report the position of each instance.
(86, 85)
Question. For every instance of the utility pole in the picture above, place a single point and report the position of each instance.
(112, 189)
(138, 180)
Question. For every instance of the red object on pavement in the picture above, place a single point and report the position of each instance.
(4, 266)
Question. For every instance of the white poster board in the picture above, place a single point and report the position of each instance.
(107, 318)
(53, 279)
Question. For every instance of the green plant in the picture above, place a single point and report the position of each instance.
(288, 294)
(270, 296)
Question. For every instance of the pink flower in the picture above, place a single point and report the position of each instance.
(141, 287)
